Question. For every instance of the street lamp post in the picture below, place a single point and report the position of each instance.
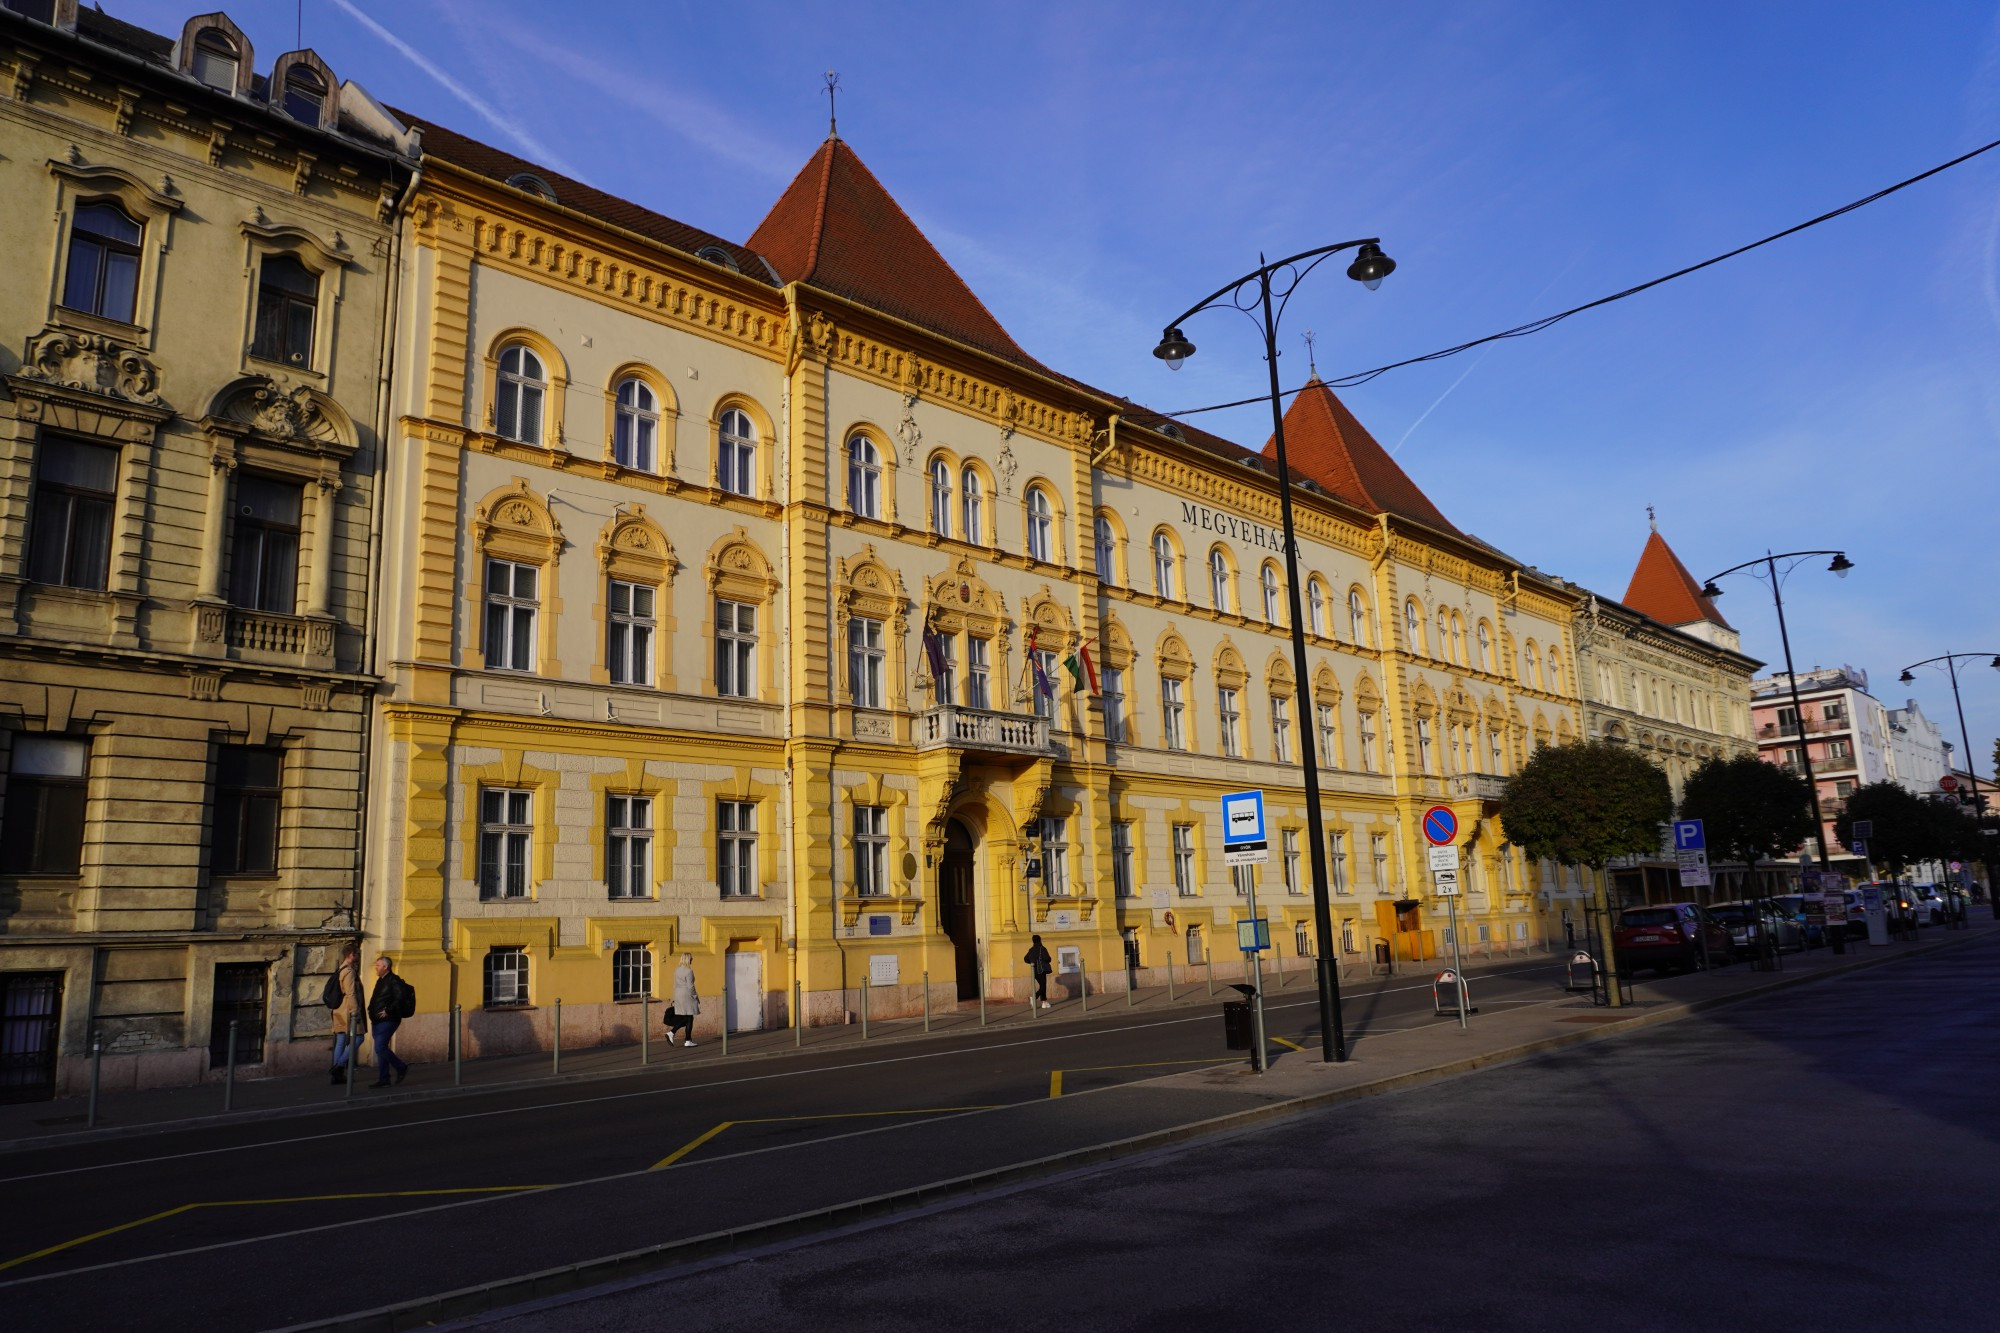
(1838, 568)
(1951, 661)
(1370, 266)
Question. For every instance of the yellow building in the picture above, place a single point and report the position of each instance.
(724, 585)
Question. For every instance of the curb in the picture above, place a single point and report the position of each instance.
(563, 1279)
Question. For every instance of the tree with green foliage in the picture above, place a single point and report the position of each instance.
(1908, 828)
(1749, 810)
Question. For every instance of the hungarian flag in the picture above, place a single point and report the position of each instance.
(1082, 668)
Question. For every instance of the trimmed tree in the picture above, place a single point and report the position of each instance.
(1908, 828)
(1582, 805)
(1748, 809)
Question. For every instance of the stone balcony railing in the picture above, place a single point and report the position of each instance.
(981, 729)
(264, 636)
(1475, 786)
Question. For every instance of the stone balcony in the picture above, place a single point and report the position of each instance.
(1475, 786)
(983, 731)
(264, 637)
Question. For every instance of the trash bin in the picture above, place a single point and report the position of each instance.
(1382, 952)
(1236, 1027)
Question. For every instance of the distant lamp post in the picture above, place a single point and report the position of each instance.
(1951, 661)
(1256, 295)
(1838, 568)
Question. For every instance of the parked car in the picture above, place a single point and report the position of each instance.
(1793, 906)
(1749, 923)
(1857, 915)
(1666, 937)
(1926, 903)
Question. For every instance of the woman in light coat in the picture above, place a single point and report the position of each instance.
(687, 1004)
(342, 1017)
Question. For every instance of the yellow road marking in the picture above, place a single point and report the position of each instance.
(244, 1203)
(1056, 1075)
(700, 1139)
(1055, 1083)
(1282, 1042)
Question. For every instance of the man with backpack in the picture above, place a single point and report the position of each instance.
(342, 997)
(392, 1001)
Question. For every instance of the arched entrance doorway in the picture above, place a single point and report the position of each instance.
(955, 906)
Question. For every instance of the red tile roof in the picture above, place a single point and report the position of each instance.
(1324, 441)
(1663, 589)
(837, 229)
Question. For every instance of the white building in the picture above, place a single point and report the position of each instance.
(1918, 752)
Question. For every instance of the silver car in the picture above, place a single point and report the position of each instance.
(1744, 921)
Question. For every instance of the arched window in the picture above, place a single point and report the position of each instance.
(1163, 565)
(1458, 638)
(940, 497)
(305, 94)
(215, 60)
(864, 477)
(1270, 582)
(736, 453)
(1316, 607)
(103, 276)
(1531, 666)
(635, 426)
(1413, 626)
(517, 406)
(1444, 633)
(1555, 681)
(1105, 549)
(1218, 578)
(1041, 524)
(1357, 619)
(1485, 647)
(974, 504)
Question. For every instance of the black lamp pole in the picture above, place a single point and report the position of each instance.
(1950, 661)
(1370, 266)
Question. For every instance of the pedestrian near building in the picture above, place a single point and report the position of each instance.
(1037, 958)
(346, 1009)
(686, 1004)
(389, 1004)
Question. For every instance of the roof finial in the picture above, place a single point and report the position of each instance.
(832, 85)
(1650, 518)
(1312, 362)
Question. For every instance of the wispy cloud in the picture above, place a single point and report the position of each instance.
(524, 140)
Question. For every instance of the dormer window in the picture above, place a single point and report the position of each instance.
(532, 184)
(305, 94)
(216, 60)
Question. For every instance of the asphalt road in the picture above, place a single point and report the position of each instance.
(1821, 1159)
(255, 1225)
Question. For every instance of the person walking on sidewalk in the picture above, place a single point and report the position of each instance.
(1037, 957)
(348, 977)
(687, 1003)
(389, 1004)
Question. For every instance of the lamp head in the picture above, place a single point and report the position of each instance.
(1370, 266)
(1996, 664)
(1174, 348)
(1710, 591)
(1841, 564)
(1908, 679)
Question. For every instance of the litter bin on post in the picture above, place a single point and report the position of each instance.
(1238, 1030)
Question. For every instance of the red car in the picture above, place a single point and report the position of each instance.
(1666, 936)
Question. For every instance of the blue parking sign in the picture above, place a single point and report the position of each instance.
(1688, 836)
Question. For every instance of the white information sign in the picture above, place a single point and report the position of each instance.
(1444, 883)
(1694, 867)
(1445, 858)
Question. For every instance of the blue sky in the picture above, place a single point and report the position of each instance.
(1091, 169)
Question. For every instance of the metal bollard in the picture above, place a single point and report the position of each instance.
(1278, 953)
(927, 1000)
(725, 1024)
(457, 1047)
(798, 1015)
(555, 1046)
(864, 1009)
(979, 972)
(353, 1052)
(96, 1064)
(1208, 970)
(1170, 976)
(1082, 982)
(645, 1029)
(1131, 983)
(229, 1074)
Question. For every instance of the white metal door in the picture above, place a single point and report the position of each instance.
(743, 991)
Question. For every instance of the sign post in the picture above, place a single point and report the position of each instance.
(1244, 844)
(1691, 852)
(1440, 827)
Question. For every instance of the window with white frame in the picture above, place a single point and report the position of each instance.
(1485, 648)
(69, 540)
(631, 971)
(736, 453)
(1357, 619)
(1444, 633)
(1229, 721)
(1336, 861)
(1121, 859)
(1041, 524)
(215, 60)
(945, 687)
(1497, 755)
(865, 662)
(1044, 699)
(1173, 713)
(1316, 607)
(871, 851)
(1272, 614)
(1218, 579)
(1281, 729)
(1329, 735)
(506, 979)
(972, 505)
(1104, 548)
(1163, 565)
(1413, 627)
(1055, 856)
(42, 822)
(864, 477)
(1244, 879)
(1112, 687)
(978, 672)
(629, 632)
(1370, 759)
(736, 848)
(1290, 842)
(635, 426)
(1183, 845)
(628, 846)
(506, 832)
(735, 649)
(518, 394)
(1378, 856)
(512, 601)
(940, 497)
(1423, 745)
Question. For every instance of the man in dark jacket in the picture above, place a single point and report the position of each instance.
(1037, 958)
(385, 1014)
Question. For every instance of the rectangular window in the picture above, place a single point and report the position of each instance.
(506, 827)
(978, 673)
(511, 604)
(506, 976)
(1423, 745)
(1173, 713)
(1833, 711)
(865, 661)
(1112, 683)
(1788, 718)
(1839, 750)
(945, 690)
(1843, 788)
(1184, 880)
(1281, 729)
(1228, 719)
(264, 546)
(735, 649)
(103, 269)
(629, 630)
(1336, 861)
(628, 847)
(871, 851)
(1291, 857)
(41, 829)
(631, 971)
(245, 830)
(736, 848)
(1244, 878)
(75, 486)
(1368, 757)
(1329, 736)
(1045, 699)
(1121, 859)
(287, 310)
(1378, 853)
(1055, 856)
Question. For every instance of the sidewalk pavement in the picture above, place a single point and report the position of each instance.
(1500, 1032)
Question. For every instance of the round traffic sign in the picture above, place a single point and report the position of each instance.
(1440, 825)
(1947, 783)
